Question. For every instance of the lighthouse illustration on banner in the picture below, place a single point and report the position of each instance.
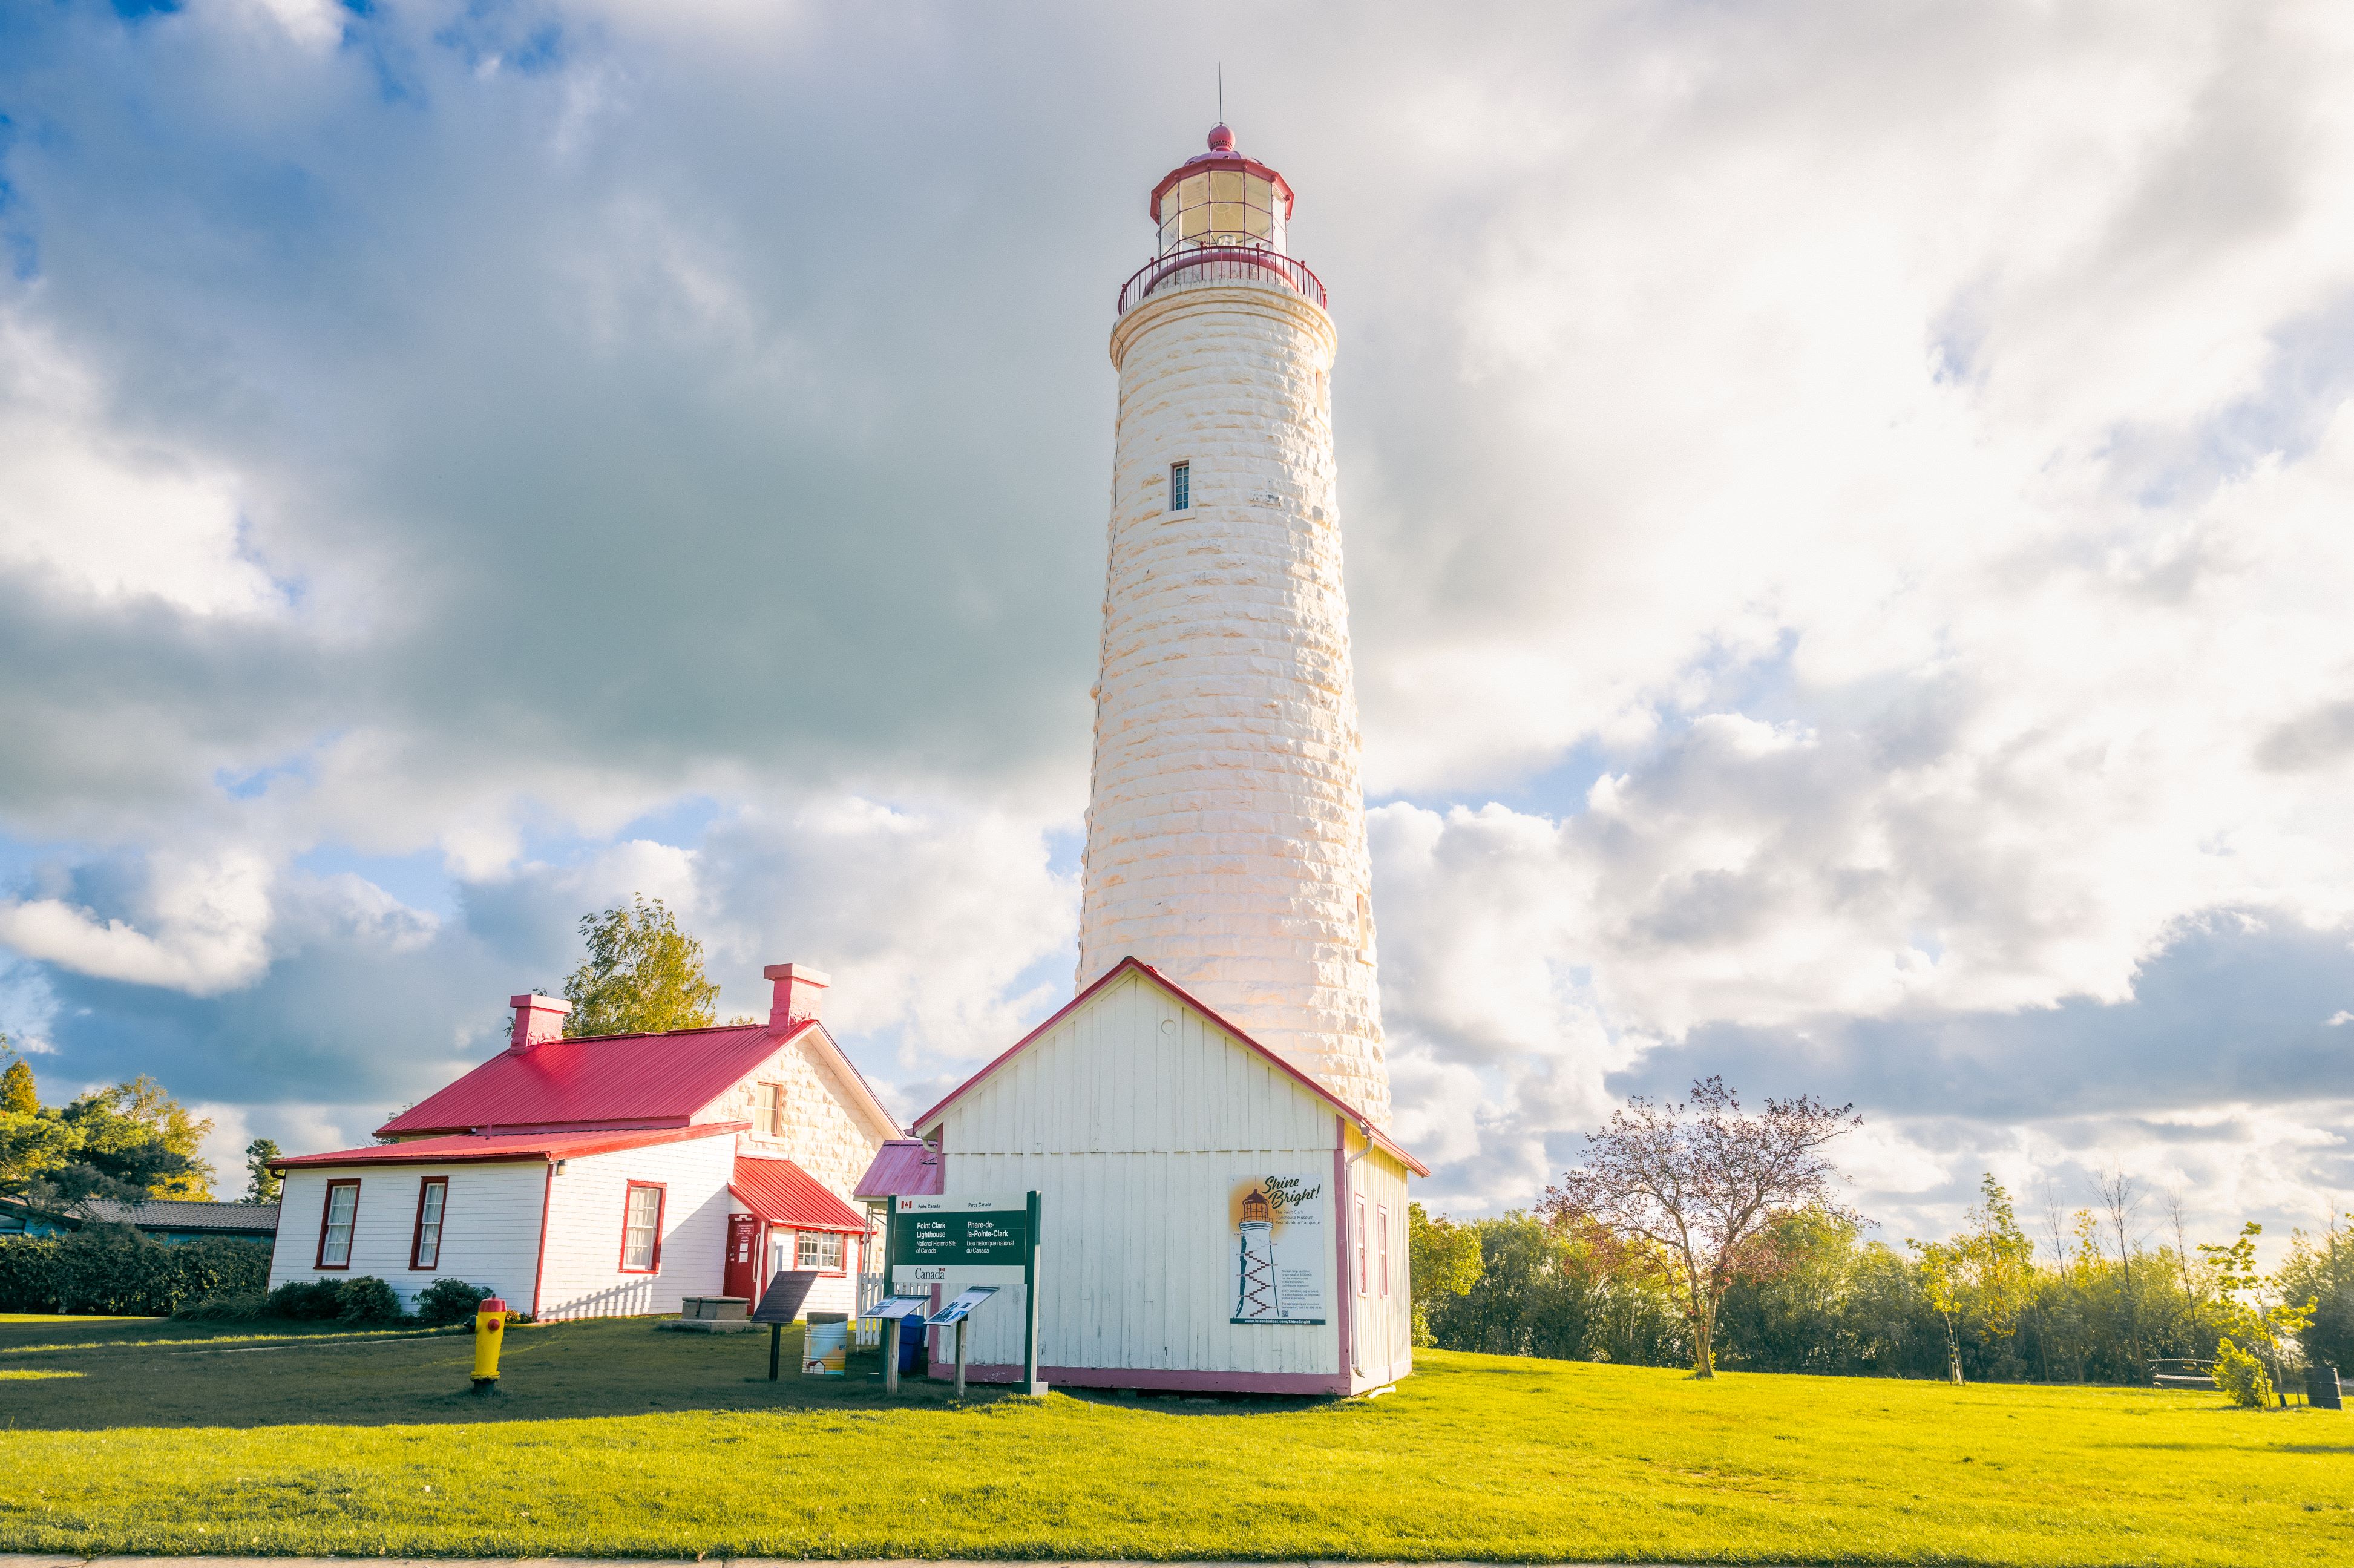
(1278, 1230)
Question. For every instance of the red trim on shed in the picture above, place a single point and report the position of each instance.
(1346, 1306)
(1157, 1379)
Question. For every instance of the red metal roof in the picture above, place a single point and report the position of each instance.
(782, 1194)
(1181, 994)
(650, 1080)
(905, 1168)
(469, 1147)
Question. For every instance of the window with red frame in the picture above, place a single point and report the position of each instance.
(641, 1214)
(432, 1199)
(335, 1224)
(1361, 1246)
(1383, 1233)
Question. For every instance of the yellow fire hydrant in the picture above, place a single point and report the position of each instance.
(489, 1328)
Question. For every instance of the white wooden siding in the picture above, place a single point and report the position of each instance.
(490, 1227)
(1382, 1333)
(582, 1276)
(1133, 1119)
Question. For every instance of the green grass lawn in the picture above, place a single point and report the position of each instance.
(613, 1439)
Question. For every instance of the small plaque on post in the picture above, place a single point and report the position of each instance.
(958, 1310)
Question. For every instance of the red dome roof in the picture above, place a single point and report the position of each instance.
(1221, 156)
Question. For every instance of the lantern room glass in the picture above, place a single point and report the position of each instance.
(1221, 206)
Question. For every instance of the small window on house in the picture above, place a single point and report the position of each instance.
(1361, 1246)
(425, 1247)
(1382, 1231)
(820, 1249)
(641, 1229)
(771, 1118)
(1181, 486)
(335, 1224)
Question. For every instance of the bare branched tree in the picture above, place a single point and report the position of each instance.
(1696, 1188)
(2178, 1221)
(2121, 1197)
(2055, 1219)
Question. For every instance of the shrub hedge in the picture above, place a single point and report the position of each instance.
(448, 1302)
(115, 1269)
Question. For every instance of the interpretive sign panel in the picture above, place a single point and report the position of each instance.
(901, 1307)
(958, 1310)
(960, 1239)
(1275, 1227)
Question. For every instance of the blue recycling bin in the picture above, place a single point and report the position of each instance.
(910, 1330)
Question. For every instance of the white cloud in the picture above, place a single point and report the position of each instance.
(107, 513)
(208, 924)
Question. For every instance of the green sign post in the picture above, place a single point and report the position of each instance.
(960, 1239)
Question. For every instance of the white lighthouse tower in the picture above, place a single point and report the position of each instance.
(1226, 829)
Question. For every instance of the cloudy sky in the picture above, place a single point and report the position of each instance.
(1847, 510)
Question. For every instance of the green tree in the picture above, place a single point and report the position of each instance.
(19, 1094)
(2321, 1269)
(1443, 1260)
(33, 1148)
(642, 974)
(2242, 1376)
(132, 1141)
(1986, 1275)
(261, 1183)
(2256, 1307)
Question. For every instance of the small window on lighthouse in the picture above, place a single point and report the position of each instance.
(1181, 486)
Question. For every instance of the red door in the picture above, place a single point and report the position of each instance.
(743, 1277)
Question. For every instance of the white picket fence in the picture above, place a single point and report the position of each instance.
(872, 1288)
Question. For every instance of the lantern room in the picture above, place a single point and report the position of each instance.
(1221, 198)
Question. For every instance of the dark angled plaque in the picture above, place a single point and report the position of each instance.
(958, 1310)
(782, 1302)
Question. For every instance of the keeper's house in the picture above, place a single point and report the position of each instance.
(612, 1175)
(1213, 1219)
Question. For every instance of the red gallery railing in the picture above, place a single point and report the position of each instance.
(1221, 264)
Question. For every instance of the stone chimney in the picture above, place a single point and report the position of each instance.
(801, 990)
(536, 1019)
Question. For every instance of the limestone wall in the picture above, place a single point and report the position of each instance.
(1226, 837)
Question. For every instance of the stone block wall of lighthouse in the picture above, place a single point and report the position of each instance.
(1226, 832)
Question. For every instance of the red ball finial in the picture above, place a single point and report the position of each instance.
(1221, 138)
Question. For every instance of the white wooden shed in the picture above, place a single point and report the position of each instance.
(1212, 1218)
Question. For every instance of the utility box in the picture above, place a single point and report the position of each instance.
(713, 1315)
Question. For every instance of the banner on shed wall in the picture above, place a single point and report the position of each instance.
(1276, 1224)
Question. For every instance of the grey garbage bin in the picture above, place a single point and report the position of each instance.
(2321, 1387)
